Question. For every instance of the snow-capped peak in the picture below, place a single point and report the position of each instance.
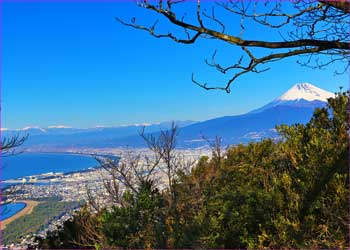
(301, 95)
(145, 124)
(59, 126)
(307, 92)
(32, 127)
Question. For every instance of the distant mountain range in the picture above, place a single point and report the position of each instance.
(294, 106)
(54, 137)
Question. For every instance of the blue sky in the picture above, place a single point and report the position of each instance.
(73, 64)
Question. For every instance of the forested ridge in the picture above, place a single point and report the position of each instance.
(290, 193)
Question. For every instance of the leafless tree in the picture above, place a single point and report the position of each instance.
(131, 171)
(159, 167)
(317, 30)
(217, 150)
(173, 165)
(134, 169)
(9, 144)
(171, 162)
(128, 173)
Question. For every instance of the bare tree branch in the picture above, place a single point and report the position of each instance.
(318, 28)
(9, 144)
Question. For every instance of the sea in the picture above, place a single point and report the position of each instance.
(8, 210)
(27, 164)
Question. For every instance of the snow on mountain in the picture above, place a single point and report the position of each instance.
(144, 124)
(64, 128)
(29, 128)
(300, 95)
(294, 106)
(59, 126)
(307, 92)
(64, 135)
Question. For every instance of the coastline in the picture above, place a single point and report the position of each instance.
(30, 205)
(16, 181)
(69, 153)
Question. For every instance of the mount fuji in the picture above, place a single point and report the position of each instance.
(294, 106)
(300, 95)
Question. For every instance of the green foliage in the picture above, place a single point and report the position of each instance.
(291, 193)
(140, 223)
